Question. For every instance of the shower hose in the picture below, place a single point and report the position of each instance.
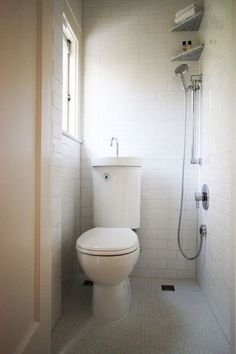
(182, 190)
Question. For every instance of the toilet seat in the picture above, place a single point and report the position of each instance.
(102, 241)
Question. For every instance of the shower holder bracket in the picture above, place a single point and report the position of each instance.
(195, 161)
(196, 77)
(195, 81)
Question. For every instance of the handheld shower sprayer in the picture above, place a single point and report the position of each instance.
(180, 71)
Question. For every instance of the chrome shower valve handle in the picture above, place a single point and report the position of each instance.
(203, 197)
(199, 197)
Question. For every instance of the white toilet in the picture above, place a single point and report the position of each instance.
(109, 252)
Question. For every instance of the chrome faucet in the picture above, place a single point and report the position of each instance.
(117, 144)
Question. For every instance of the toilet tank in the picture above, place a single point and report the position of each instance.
(117, 192)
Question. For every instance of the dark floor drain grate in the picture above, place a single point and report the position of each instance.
(168, 288)
(88, 283)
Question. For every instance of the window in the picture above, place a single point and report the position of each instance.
(71, 81)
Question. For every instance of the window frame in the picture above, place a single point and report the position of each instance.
(70, 22)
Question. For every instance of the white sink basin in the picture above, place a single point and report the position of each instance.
(117, 161)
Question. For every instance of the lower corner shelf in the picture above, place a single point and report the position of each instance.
(189, 55)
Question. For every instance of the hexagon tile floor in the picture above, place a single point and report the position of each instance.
(179, 322)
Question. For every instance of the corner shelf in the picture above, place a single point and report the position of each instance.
(190, 24)
(189, 55)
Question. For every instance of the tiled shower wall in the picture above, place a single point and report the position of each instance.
(131, 92)
(65, 180)
(214, 266)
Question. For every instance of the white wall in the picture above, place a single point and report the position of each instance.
(65, 178)
(131, 92)
(233, 113)
(214, 266)
(70, 210)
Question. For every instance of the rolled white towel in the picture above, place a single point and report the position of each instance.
(185, 15)
(186, 9)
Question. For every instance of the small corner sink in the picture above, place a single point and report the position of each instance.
(117, 161)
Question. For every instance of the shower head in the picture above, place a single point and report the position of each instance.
(180, 71)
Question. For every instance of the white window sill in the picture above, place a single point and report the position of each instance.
(68, 135)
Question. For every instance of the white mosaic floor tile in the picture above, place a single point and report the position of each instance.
(179, 322)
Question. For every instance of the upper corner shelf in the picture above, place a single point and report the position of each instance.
(190, 24)
(192, 54)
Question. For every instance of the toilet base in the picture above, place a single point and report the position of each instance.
(111, 303)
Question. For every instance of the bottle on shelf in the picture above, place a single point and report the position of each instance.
(184, 46)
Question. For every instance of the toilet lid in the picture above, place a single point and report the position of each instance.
(107, 241)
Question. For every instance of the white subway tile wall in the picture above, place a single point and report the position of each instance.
(65, 178)
(131, 92)
(214, 266)
(70, 211)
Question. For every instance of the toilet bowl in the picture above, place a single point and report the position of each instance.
(108, 256)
